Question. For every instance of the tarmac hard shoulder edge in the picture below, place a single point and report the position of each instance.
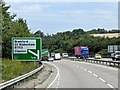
(41, 81)
(51, 77)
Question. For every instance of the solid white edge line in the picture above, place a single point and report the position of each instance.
(55, 77)
(110, 86)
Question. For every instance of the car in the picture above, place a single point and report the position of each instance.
(98, 56)
(65, 55)
(50, 59)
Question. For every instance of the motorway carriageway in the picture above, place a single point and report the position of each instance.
(76, 74)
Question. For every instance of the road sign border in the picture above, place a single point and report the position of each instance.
(34, 38)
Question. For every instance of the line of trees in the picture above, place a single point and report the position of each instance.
(11, 28)
(60, 42)
(66, 41)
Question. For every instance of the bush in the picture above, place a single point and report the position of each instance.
(12, 69)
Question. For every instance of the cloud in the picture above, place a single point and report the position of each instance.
(89, 15)
(78, 16)
(29, 8)
(60, 16)
(105, 15)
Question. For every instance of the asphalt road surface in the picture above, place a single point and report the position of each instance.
(75, 74)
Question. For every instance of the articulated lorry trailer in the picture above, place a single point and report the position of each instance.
(114, 50)
(81, 52)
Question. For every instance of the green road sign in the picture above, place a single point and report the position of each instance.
(45, 52)
(26, 49)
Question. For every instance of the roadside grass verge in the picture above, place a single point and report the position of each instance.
(12, 69)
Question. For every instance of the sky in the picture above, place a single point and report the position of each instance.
(52, 17)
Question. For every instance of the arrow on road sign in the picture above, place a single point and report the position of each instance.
(44, 52)
(36, 54)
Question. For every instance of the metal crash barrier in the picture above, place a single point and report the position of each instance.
(103, 62)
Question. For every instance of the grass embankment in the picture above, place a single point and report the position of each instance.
(12, 69)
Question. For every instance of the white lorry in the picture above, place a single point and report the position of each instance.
(57, 56)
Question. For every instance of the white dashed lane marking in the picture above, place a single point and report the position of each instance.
(58, 82)
(95, 75)
(81, 67)
(85, 69)
(89, 71)
(101, 79)
(110, 86)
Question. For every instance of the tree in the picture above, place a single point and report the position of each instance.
(11, 28)
(39, 34)
(78, 31)
(66, 41)
(97, 31)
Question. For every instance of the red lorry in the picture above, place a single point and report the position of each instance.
(81, 51)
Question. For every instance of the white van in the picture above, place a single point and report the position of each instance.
(57, 56)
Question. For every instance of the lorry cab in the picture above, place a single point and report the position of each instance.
(85, 53)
